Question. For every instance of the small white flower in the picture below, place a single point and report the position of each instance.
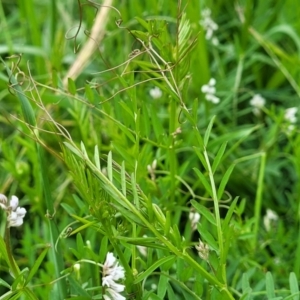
(194, 217)
(155, 93)
(14, 203)
(208, 24)
(113, 295)
(257, 102)
(212, 98)
(15, 218)
(209, 90)
(76, 267)
(151, 169)
(203, 250)
(290, 114)
(270, 217)
(88, 244)
(112, 272)
(15, 214)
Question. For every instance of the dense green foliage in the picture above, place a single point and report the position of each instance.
(122, 158)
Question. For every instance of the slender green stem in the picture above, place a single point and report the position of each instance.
(258, 198)
(217, 214)
(172, 154)
(14, 267)
(237, 81)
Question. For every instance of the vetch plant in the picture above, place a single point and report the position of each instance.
(109, 134)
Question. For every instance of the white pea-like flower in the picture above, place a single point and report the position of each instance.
(290, 114)
(257, 102)
(151, 169)
(209, 90)
(203, 250)
(15, 214)
(112, 272)
(209, 25)
(194, 217)
(155, 92)
(15, 218)
(269, 218)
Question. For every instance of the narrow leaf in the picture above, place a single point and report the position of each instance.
(203, 181)
(89, 93)
(30, 295)
(83, 150)
(76, 287)
(224, 181)
(144, 23)
(134, 191)
(207, 237)
(109, 166)
(123, 179)
(208, 130)
(71, 86)
(230, 212)
(79, 243)
(245, 284)
(204, 212)
(97, 158)
(68, 208)
(218, 157)
(73, 149)
(4, 283)
(162, 286)
(201, 157)
(153, 267)
(294, 287)
(3, 250)
(36, 265)
(157, 125)
(270, 286)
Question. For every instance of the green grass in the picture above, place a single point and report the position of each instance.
(79, 153)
